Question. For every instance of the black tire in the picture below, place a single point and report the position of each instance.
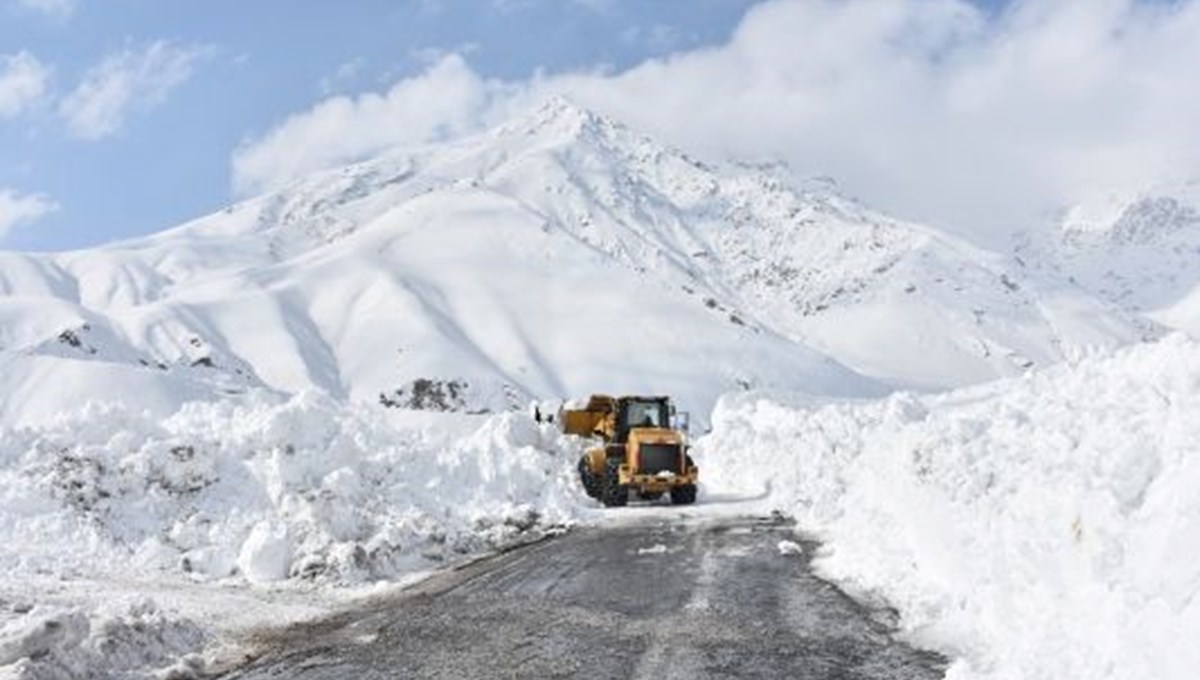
(613, 493)
(684, 494)
(650, 495)
(591, 485)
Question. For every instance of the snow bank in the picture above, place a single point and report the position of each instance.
(1043, 527)
(310, 490)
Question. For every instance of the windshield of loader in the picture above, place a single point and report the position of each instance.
(647, 414)
(633, 413)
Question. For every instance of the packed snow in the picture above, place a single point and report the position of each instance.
(68, 643)
(1039, 527)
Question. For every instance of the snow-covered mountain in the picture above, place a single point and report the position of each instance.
(1013, 525)
(1140, 253)
(556, 255)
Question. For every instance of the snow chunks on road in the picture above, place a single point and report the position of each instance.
(1039, 527)
(51, 643)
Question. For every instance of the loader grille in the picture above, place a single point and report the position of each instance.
(658, 457)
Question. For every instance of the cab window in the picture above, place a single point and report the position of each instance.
(645, 414)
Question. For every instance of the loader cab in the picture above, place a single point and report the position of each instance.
(641, 412)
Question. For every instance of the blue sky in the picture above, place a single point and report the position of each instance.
(124, 117)
(253, 63)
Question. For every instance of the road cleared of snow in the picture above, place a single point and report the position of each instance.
(717, 601)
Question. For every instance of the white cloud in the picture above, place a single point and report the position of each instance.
(23, 82)
(659, 38)
(58, 9)
(446, 101)
(126, 82)
(345, 76)
(597, 6)
(17, 209)
(927, 108)
(513, 5)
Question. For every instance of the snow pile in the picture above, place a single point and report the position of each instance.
(58, 643)
(235, 493)
(1042, 527)
(307, 489)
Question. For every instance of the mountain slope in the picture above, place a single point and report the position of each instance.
(554, 256)
(1140, 253)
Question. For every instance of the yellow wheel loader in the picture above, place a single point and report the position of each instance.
(642, 447)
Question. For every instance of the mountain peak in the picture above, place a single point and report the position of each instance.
(1139, 219)
(559, 116)
(558, 105)
(559, 108)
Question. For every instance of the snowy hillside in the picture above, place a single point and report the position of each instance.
(554, 256)
(1139, 253)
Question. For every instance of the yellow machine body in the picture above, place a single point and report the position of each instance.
(648, 457)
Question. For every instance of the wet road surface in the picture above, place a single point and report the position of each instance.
(658, 598)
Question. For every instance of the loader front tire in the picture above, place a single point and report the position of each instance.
(684, 494)
(613, 493)
(591, 484)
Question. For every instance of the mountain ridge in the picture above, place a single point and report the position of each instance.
(556, 254)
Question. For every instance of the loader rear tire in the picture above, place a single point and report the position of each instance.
(613, 493)
(684, 494)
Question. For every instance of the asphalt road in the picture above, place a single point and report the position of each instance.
(661, 597)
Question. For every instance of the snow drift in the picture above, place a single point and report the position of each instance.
(228, 495)
(1042, 527)
(306, 488)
